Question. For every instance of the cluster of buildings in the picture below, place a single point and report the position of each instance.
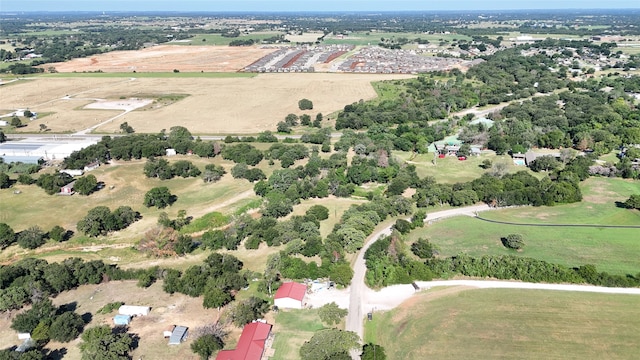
(298, 58)
(378, 60)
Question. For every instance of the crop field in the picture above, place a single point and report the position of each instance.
(166, 310)
(455, 323)
(210, 105)
(612, 250)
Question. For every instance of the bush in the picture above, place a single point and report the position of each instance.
(423, 249)
(513, 241)
(305, 104)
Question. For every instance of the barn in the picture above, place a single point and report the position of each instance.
(290, 296)
(251, 344)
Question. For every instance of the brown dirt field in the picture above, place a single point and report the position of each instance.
(166, 310)
(165, 58)
(214, 105)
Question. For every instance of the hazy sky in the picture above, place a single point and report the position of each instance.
(305, 5)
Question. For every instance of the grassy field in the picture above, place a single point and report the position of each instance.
(509, 324)
(373, 38)
(215, 105)
(292, 328)
(611, 250)
(450, 170)
(217, 39)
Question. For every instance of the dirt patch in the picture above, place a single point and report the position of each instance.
(166, 58)
(124, 104)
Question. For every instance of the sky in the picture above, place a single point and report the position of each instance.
(305, 5)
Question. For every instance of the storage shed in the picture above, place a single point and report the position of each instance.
(134, 310)
(178, 335)
(290, 296)
(121, 319)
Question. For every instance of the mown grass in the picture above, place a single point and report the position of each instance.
(612, 250)
(292, 328)
(509, 324)
(450, 170)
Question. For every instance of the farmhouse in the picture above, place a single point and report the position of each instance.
(134, 310)
(178, 335)
(251, 344)
(290, 296)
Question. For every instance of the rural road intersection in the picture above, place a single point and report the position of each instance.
(362, 299)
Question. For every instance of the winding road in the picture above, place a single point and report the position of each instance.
(358, 288)
(361, 297)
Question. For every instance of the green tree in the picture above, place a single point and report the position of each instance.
(341, 274)
(101, 343)
(331, 314)
(15, 122)
(318, 212)
(305, 120)
(305, 104)
(213, 173)
(159, 197)
(7, 235)
(403, 226)
(248, 310)
(206, 345)
(513, 241)
(283, 127)
(66, 327)
(3, 137)
(373, 352)
(86, 185)
(544, 163)
(423, 249)
(158, 168)
(25, 179)
(5, 182)
(325, 344)
(291, 119)
(31, 238)
(633, 202)
(95, 222)
(57, 233)
(214, 296)
(126, 128)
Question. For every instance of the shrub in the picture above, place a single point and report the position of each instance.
(513, 241)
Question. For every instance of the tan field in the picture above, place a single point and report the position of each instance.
(166, 310)
(213, 105)
(166, 58)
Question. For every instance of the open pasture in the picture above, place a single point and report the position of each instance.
(212, 105)
(455, 323)
(610, 249)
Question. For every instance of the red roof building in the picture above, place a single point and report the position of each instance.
(290, 295)
(251, 344)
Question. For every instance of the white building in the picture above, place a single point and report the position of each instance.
(290, 296)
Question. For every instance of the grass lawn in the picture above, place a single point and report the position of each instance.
(611, 250)
(292, 328)
(509, 324)
(450, 170)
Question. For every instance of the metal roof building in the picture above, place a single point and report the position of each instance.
(178, 335)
